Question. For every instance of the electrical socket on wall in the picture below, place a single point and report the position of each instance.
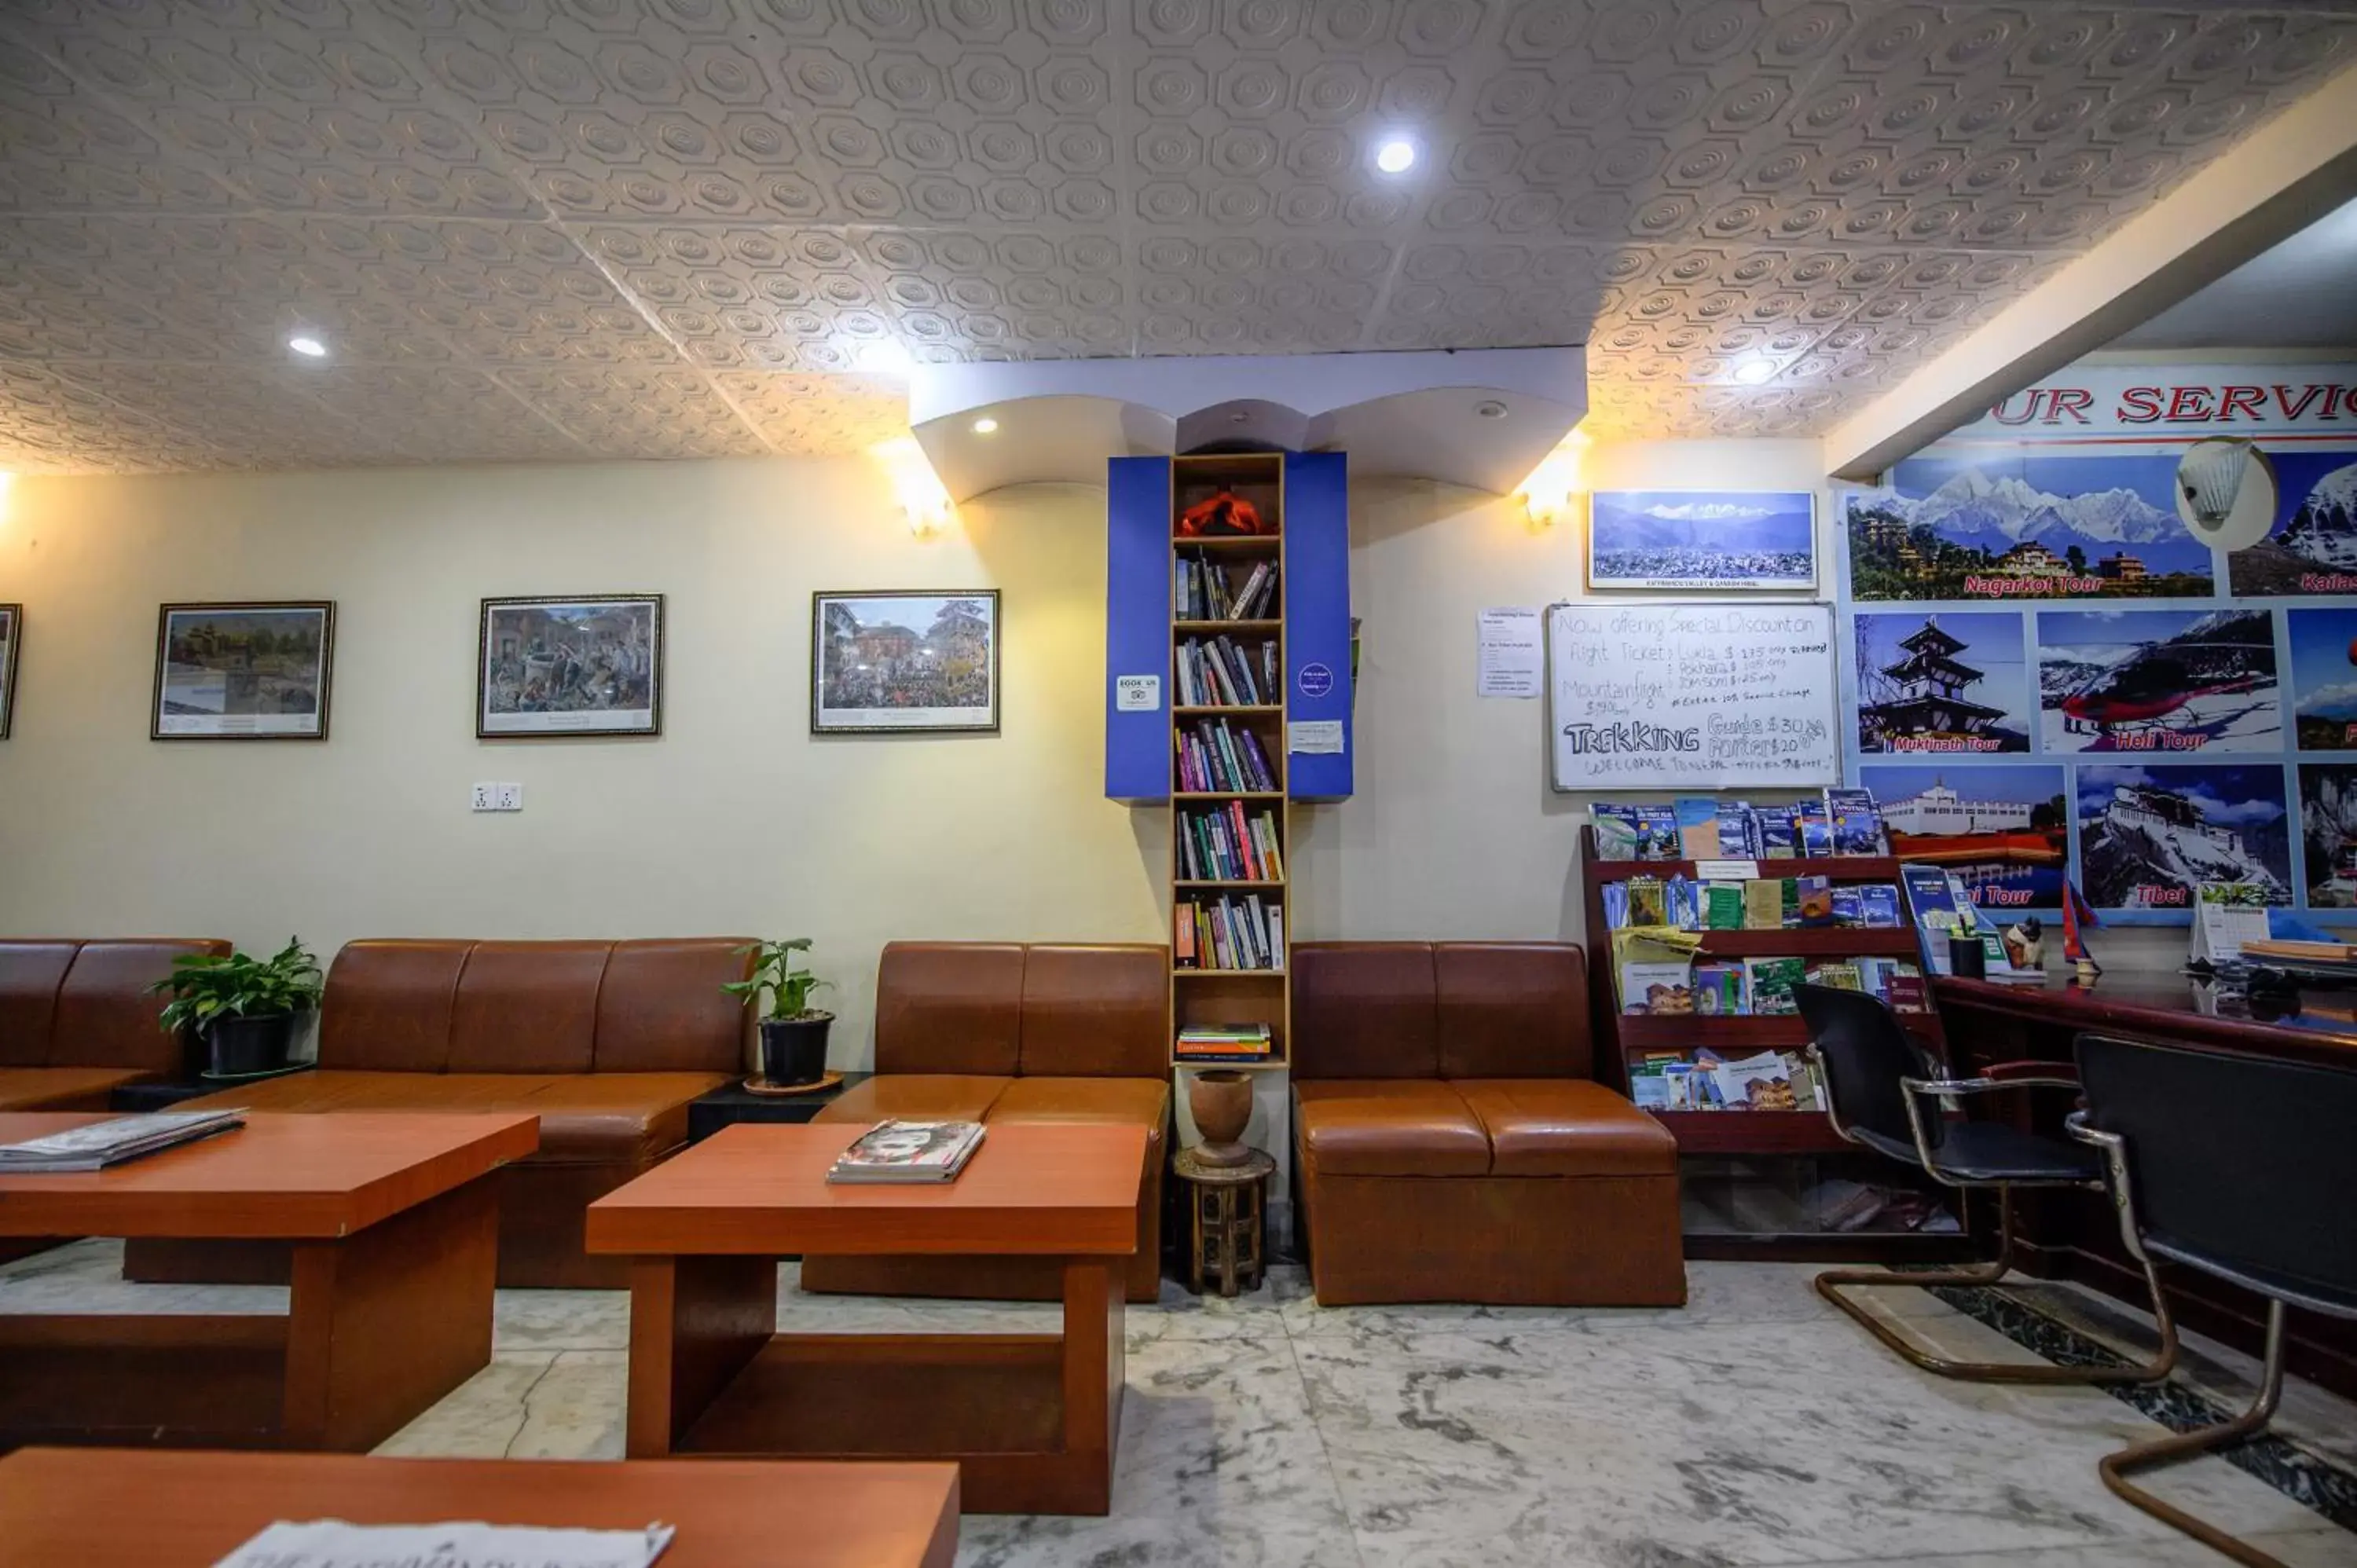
(497, 798)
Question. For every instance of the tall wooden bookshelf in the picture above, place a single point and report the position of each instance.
(1203, 994)
(1719, 1136)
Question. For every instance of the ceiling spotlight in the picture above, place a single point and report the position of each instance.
(1491, 410)
(1751, 372)
(1395, 157)
(309, 348)
(985, 425)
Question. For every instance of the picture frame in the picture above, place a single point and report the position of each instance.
(244, 670)
(557, 666)
(1750, 540)
(12, 638)
(905, 662)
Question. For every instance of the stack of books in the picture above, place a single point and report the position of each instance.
(1224, 1043)
(1203, 591)
(1225, 845)
(1227, 933)
(899, 1151)
(1218, 675)
(104, 1143)
(1217, 756)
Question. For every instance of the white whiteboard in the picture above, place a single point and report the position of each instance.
(1702, 696)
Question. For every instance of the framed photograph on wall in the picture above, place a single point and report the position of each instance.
(1760, 540)
(590, 664)
(12, 634)
(904, 662)
(244, 671)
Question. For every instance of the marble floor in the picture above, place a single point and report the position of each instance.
(1757, 1426)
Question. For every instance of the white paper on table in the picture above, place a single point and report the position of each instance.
(333, 1543)
(1512, 661)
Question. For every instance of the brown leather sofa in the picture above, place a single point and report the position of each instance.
(999, 1032)
(76, 1021)
(606, 1041)
(1451, 1143)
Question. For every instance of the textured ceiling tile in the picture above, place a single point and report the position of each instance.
(673, 225)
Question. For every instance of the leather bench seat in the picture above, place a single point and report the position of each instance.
(1001, 1032)
(62, 1088)
(1451, 1143)
(606, 1042)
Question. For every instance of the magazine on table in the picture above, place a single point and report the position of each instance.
(899, 1151)
(104, 1143)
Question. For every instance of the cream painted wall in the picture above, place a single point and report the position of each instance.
(735, 821)
(1454, 831)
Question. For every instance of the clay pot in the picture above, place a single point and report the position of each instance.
(1221, 1102)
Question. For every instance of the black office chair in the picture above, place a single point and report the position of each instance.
(2238, 1165)
(1877, 1079)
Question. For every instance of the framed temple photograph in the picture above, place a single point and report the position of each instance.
(244, 671)
(1762, 540)
(590, 664)
(12, 634)
(904, 662)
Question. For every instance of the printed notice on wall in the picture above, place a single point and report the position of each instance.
(1511, 660)
(1691, 697)
(1315, 737)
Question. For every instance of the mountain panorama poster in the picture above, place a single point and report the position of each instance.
(2026, 528)
(2313, 546)
(1711, 539)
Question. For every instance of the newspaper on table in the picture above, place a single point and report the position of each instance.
(333, 1543)
(103, 1144)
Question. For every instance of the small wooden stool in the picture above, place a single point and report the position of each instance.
(1225, 1230)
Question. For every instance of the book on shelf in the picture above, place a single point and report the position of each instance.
(1763, 904)
(898, 1151)
(1225, 844)
(1721, 990)
(1942, 909)
(1761, 1082)
(1816, 900)
(1206, 590)
(1779, 839)
(1658, 988)
(1231, 933)
(1813, 829)
(1215, 1043)
(1216, 755)
(1771, 981)
(1217, 673)
(1840, 976)
(103, 1144)
(1697, 827)
(1856, 822)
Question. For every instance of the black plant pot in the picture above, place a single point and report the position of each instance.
(793, 1050)
(241, 1048)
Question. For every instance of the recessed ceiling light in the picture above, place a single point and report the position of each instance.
(1395, 157)
(984, 426)
(309, 348)
(1751, 372)
(1490, 409)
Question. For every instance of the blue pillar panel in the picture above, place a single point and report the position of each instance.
(1317, 617)
(1137, 625)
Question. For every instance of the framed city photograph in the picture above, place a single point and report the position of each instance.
(12, 633)
(904, 662)
(242, 672)
(590, 664)
(1764, 540)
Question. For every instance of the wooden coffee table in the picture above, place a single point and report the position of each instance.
(395, 1239)
(113, 1508)
(1031, 1419)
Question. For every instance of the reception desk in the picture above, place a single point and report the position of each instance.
(2073, 1235)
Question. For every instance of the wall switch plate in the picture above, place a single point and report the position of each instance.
(510, 798)
(486, 798)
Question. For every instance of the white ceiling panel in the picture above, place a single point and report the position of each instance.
(540, 228)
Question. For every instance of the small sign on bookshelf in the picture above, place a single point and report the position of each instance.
(1136, 694)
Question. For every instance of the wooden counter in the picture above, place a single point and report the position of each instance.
(2072, 1235)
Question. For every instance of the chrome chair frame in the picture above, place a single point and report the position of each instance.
(1832, 1283)
(2180, 1446)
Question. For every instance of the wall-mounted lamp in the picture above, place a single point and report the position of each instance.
(924, 500)
(1552, 491)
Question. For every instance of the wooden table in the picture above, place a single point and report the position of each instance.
(122, 1509)
(2077, 1235)
(1031, 1419)
(395, 1240)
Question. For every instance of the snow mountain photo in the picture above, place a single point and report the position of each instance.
(2313, 549)
(2148, 837)
(2158, 681)
(2328, 831)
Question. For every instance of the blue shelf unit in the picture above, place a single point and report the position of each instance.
(1144, 499)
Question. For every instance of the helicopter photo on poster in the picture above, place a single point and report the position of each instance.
(2158, 681)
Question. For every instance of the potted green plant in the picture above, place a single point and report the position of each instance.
(793, 1033)
(242, 1009)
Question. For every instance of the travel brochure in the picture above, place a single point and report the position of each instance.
(1767, 1081)
(1753, 904)
(896, 1151)
(1844, 821)
(1655, 980)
